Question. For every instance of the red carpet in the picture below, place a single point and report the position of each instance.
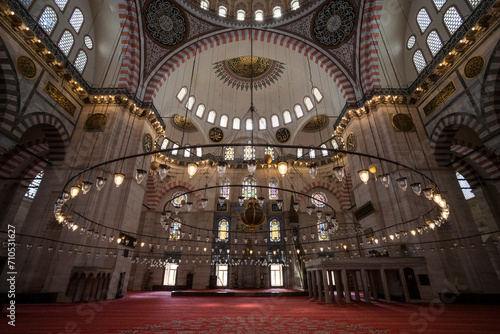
(158, 312)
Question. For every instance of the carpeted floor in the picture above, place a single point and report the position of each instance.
(158, 312)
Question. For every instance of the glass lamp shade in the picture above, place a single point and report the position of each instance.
(385, 179)
(313, 170)
(204, 202)
(252, 166)
(442, 203)
(402, 183)
(65, 196)
(189, 205)
(192, 169)
(86, 185)
(279, 203)
(339, 173)
(309, 210)
(168, 213)
(119, 178)
(427, 193)
(319, 213)
(139, 175)
(282, 168)
(100, 182)
(221, 168)
(417, 188)
(163, 217)
(261, 200)
(59, 201)
(364, 175)
(163, 171)
(296, 206)
(437, 198)
(176, 210)
(221, 200)
(328, 217)
(74, 191)
(241, 200)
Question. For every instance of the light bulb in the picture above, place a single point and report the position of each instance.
(119, 178)
(282, 168)
(192, 169)
(339, 173)
(364, 175)
(417, 188)
(437, 198)
(313, 169)
(252, 166)
(221, 167)
(100, 182)
(139, 175)
(163, 171)
(385, 179)
(86, 185)
(402, 183)
(74, 191)
(65, 196)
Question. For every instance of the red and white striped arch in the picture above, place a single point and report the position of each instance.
(368, 45)
(486, 161)
(153, 196)
(131, 46)
(342, 195)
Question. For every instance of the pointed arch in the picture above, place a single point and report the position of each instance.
(169, 186)
(345, 201)
(10, 97)
(490, 91)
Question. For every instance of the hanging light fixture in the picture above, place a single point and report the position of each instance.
(86, 185)
(437, 197)
(192, 169)
(309, 210)
(100, 182)
(282, 168)
(75, 190)
(221, 167)
(328, 217)
(364, 175)
(402, 183)
(417, 188)
(385, 179)
(241, 200)
(163, 171)
(119, 178)
(252, 166)
(279, 203)
(296, 206)
(319, 213)
(204, 202)
(189, 205)
(427, 193)
(139, 175)
(339, 172)
(313, 169)
(221, 200)
(168, 213)
(65, 196)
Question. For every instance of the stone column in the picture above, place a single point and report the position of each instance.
(309, 285)
(372, 285)
(385, 286)
(326, 287)
(319, 283)
(402, 277)
(356, 285)
(364, 280)
(338, 285)
(345, 283)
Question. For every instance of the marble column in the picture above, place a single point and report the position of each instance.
(385, 285)
(345, 284)
(326, 287)
(356, 285)
(372, 285)
(338, 285)
(319, 283)
(402, 278)
(364, 280)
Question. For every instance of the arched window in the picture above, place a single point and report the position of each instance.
(48, 20)
(269, 151)
(322, 230)
(272, 183)
(187, 152)
(474, 3)
(287, 117)
(222, 11)
(34, 185)
(177, 198)
(275, 121)
(223, 230)
(319, 199)
(452, 20)
(419, 61)
(225, 189)
(200, 110)
(324, 151)
(298, 111)
(164, 144)
(249, 124)
(274, 230)
(312, 153)
(335, 144)
(262, 123)
(199, 152)
(26, 3)
(259, 15)
(81, 61)
(190, 103)
(294, 4)
(317, 94)
(236, 123)
(434, 42)
(182, 94)
(229, 153)
(61, 4)
(174, 149)
(249, 184)
(76, 20)
(175, 229)
(465, 186)
(411, 42)
(223, 121)
(439, 4)
(66, 42)
(240, 15)
(277, 12)
(88, 42)
(204, 4)
(249, 152)
(211, 116)
(423, 20)
(300, 152)
(308, 102)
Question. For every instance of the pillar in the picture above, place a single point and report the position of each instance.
(319, 283)
(309, 285)
(326, 287)
(385, 285)
(345, 284)
(338, 285)
(372, 285)
(364, 281)
(356, 285)
(402, 278)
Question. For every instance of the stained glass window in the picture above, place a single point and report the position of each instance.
(287, 117)
(419, 61)
(76, 20)
(81, 61)
(434, 42)
(249, 152)
(249, 189)
(317, 94)
(61, 4)
(211, 116)
(182, 94)
(33, 187)
(269, 150)
(223, 121)
(319, 199)
(274, 230)
(222, 230)
(322, 230)
(275, 121)
(48, 20)
(177, 198)
(308, 102)
(439, 4)
(225, 190)
(236, 123)
(229, 153)
(273, 184)
(423, 20)
(200, 110)
(452, 20)
(175, 229)
(88, 42)
(262, 123)
(298, 111)
(66, 42)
